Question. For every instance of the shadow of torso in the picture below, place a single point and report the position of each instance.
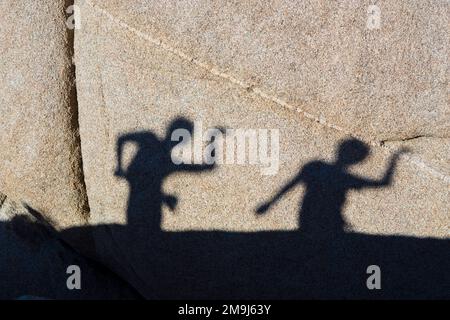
(320, 210)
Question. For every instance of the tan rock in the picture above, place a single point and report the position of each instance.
(128, 83)
(132, 87)
(40, 153)
(332, 59)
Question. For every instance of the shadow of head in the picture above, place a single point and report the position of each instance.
(178, 125)
(352, 151)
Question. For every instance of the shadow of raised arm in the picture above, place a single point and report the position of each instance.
(262, 209)
(358, 182)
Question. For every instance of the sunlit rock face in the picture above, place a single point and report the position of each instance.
(40, 151)
(319, 72)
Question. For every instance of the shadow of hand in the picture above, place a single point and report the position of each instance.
(403, 150)
(399, 152)
(262, 209)
(171, 202)
(119, 173)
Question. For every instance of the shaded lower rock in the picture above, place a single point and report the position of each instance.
(33, 262)
(214, 264)
(273, 264)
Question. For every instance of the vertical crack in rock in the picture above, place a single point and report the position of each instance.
(77, 161)
(2, 199)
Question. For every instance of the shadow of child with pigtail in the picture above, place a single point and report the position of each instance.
(146, 173)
